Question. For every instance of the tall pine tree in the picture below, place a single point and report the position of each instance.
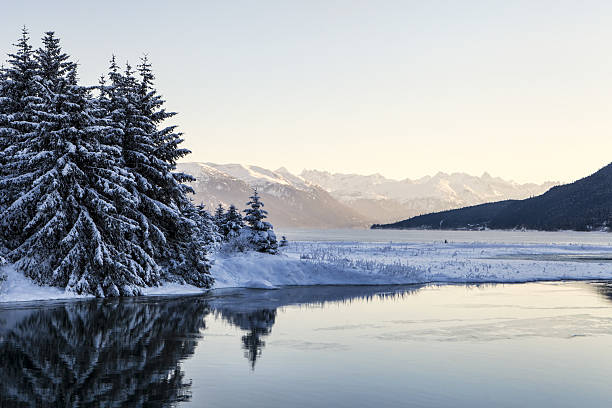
(149, 150)
(89, 197)
(19, 92)
(65, 228)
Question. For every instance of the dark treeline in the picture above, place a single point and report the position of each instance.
(583, 205)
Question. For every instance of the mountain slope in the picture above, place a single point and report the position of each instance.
(290, 201)
(390, 200)
(582, 205)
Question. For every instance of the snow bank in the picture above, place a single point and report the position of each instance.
(361, 263)
(255, 270)
(17, 288)
(351, 263)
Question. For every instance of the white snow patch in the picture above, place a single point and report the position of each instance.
(18, 288)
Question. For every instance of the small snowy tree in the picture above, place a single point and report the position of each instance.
(237, 238)
(261, 235)
(219, 217)
(233, 223)
(283, 242)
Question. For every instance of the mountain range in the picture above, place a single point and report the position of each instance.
(319, 199)
(390, 200)
(583, 205)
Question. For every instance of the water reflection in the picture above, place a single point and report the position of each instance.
(128, 352)
(604, 289)
(254, 311)
(257, 324)
(123, 353)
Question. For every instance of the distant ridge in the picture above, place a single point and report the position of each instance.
(319, 199)
(583, 205)
(290, 201)
(387, 200)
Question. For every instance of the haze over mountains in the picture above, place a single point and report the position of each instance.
(319, 199)
(383, 198)
(290, 201)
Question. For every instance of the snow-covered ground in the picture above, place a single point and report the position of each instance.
(337, 263)
(363, 263)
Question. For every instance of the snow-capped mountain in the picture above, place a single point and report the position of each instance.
(320, 199)
(290, 200)
(395, 199)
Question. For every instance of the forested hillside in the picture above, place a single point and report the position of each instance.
(583, 205)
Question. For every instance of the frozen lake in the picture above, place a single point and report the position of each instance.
(511, 345)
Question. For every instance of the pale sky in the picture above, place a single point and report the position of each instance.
(520, 89)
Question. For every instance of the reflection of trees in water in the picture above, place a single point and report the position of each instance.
(127, 352)
(119, 353)
(604, 289)
(257, 323)
(254, 311)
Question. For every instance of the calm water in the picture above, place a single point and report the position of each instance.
(536, 344)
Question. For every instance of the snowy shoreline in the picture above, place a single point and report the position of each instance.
(311, 263)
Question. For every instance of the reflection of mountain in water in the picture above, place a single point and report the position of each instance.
(119, 353)
(127, 352)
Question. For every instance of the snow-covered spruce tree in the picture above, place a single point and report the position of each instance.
(149, 151)
(211, 236)
(19, 91)
(283, 242)
(62, 226)
(141, 262)
(233, 223)
(261, 235)
(219, 218)
(192, 257)
(229, 223)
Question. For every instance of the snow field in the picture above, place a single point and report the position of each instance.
(359, 263)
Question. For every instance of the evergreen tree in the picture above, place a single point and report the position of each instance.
(219, 218)
(192, 256)
(262, 237)
(64, 227)
(212, 235)
(149, 153)
(19, 92)
(89, 198)
(233, 223)
(283, 242)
